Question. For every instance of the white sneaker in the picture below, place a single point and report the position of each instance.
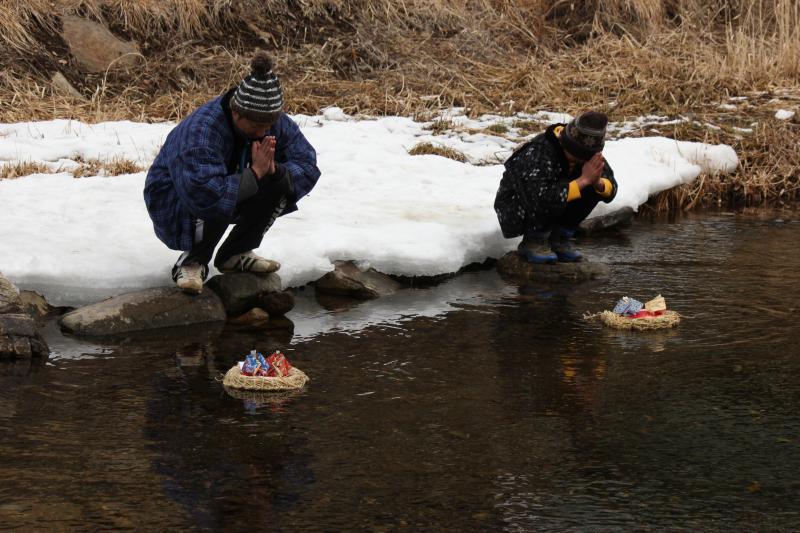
(249, 262)
(189, 278)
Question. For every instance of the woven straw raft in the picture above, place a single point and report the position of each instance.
(669, 319)
(268, 397)
(236, 380)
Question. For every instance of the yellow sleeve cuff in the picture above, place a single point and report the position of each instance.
(574, 191)
(608, 188)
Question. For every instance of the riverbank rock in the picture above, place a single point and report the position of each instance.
(276, 303)
(253, 318)
(148, 309)
(95, 48)
(240, 291)
(513, 266)
(19, 337)
(35, 305)
(620, 217)
(347, 279)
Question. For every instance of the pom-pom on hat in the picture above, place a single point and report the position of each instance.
(585, 135)
(259, 96)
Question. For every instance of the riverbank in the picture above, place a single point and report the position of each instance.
(400, 213)
(722, 69)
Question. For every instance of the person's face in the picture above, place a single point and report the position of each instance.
(250, 129)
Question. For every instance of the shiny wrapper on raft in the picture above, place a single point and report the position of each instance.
(666, 319)
(259, 374)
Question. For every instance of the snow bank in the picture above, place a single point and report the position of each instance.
(409, 215)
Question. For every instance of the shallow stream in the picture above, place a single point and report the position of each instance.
(470, 405)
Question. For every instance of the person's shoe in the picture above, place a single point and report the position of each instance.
(561, 244)
(534, 248)
(189, 278)
(249, 262)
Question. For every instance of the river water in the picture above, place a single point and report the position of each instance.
(473, 404)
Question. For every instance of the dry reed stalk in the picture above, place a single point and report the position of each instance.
(417, 56)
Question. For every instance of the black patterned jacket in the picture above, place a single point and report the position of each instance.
(535, 185)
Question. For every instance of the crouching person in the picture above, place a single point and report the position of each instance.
(237, 159)
(551, 184)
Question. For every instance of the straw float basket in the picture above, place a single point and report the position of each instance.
(234, 379)
(268, 397)
(669, 319)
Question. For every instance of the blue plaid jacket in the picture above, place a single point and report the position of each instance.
(196, 173)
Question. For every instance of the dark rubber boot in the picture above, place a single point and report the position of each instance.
(561, 244)
(534, 248)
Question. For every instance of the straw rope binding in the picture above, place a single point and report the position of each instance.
(235, 379)
(268, 397)
(669, 319)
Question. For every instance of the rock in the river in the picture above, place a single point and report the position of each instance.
(148, 309)
(254, 317)
(95, 47)
(19, 337)
(276, 303)
(35, 304)
(347, 279)
(240, 291)
(514, 266)
(9, 297)
(619, 217)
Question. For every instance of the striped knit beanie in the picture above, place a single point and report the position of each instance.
(585, 136)
(259, 96)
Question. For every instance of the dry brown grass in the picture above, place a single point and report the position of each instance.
(415, 57)
(116, 166)
(427, 148)
(22, 168)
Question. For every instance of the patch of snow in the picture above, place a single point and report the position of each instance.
(784, 114)
(406, 215)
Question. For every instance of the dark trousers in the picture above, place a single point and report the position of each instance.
(575, 212)
(254, 217)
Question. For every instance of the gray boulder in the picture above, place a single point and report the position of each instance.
(95, 48)
(513, 266)
(61, 85)
(19, 337)
(347, 279)
(148, 309)
(619, 217)
(240, 291)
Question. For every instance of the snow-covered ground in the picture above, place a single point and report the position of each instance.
(403, 214)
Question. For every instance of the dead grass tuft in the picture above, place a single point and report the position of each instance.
(427, 148)
(21, 169)
(498, 128)
(116, 166)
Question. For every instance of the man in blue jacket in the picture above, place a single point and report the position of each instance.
(237, 159)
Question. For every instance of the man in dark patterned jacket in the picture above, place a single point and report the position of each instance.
(551, 184)
(237, 159)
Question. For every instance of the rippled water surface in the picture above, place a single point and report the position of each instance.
(471, 405)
